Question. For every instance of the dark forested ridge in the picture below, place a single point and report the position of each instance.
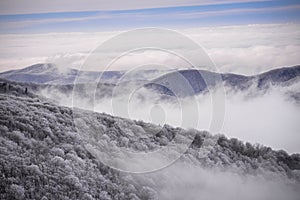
(42, 155)
(199, 81)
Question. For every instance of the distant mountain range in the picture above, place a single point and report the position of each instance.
(192, 81)
(49, 74)
(173, 82)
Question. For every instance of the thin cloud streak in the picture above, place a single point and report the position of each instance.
(26, 23)
(237, 11)
(11, 7)
(141, 15)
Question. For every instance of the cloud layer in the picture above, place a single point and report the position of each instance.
(269, 118)
(245, 49)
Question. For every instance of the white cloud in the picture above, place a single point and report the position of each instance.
(270, 119)
(246, 49)
(255, 59)
(17, 51)
(45, 6)
(182, 181)
(32, 22)
(250, 49)
(201, 14)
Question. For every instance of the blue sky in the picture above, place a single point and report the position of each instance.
(15, 18)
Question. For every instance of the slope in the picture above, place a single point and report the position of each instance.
(44, 156)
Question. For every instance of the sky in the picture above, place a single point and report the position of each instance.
(29, 16)
(241, 36)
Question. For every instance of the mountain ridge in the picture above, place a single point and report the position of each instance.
(198, 81)
(40, 69)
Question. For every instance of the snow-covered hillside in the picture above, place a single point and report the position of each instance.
(46, 152)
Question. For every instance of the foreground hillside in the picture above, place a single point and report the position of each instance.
(44, 155)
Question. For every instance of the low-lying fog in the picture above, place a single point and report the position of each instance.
(270, 118)
(181, 181)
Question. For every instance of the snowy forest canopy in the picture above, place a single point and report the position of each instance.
(44, 156)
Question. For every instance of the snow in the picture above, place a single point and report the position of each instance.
(51, 152)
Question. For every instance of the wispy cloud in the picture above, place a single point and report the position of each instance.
(194, 15)
(150, 17)
(32, 22)
(8, 7)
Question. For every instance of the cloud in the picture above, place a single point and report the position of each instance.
(179, 16)
(23, 23)
(197, 15)
(254, 59)
(250, 49)
(17, 51)
(245, 49)
(183, 181)
(270, 119)
(136, 14)
(8, 7)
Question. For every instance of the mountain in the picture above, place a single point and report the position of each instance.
(279, 76)
(53, 152)
(191, 81)
(199, 80)
(50, 74)
(181, 83)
